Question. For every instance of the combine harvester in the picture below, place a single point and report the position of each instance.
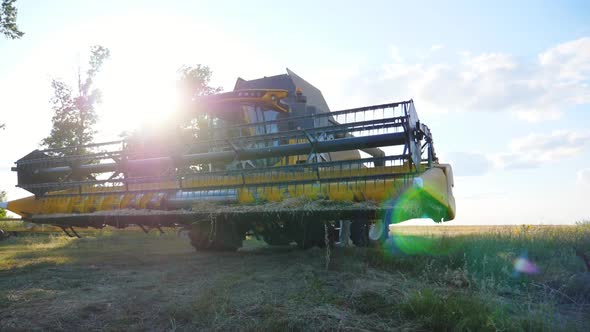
(272, 160)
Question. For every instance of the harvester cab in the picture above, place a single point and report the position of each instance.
(270, 159)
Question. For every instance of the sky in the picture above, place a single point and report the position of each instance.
(503, 85)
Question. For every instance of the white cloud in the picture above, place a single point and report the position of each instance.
(525, 152)
(570, 61)
(556, 144)
(531, 89)
(436, 47)
(395, 55)
(583, 177)
(535, 149)
(489, 63)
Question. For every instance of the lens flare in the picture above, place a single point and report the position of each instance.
(414, 202)
(417, 201)
(523, 265)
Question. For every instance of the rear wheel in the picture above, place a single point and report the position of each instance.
(277, 234)
(379, 231)
(312, 233)
(359, 232)
(199, 235)
(222, 235)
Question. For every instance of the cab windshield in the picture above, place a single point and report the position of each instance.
(243, 120)
(235, 121)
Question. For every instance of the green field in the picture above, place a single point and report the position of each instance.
(426, 278)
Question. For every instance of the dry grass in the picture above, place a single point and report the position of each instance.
(441, 280)
(295, 204)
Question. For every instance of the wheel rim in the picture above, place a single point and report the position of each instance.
(376, 231)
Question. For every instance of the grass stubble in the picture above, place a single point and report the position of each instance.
(429, 278)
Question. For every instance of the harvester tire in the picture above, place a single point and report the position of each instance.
(227, 236)
(311, 234)
(359, 233)
(379, 232)
(304, 235)
(199, 235)
(219, 235)
(277, 239)
(277, 235)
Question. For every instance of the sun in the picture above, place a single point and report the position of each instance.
(133, 97)
(139, 81)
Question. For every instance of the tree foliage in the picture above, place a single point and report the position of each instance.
(194, 82)
(2, 199)
(184, 126)
(74, 113)
(8, 25)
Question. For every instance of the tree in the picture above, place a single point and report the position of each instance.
(74, 115)
(2, 199)
(2, 125)
(8, 25)
(181, 129)
(194, 82)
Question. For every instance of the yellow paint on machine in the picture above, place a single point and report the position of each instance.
(145, 196)
(337, 192)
